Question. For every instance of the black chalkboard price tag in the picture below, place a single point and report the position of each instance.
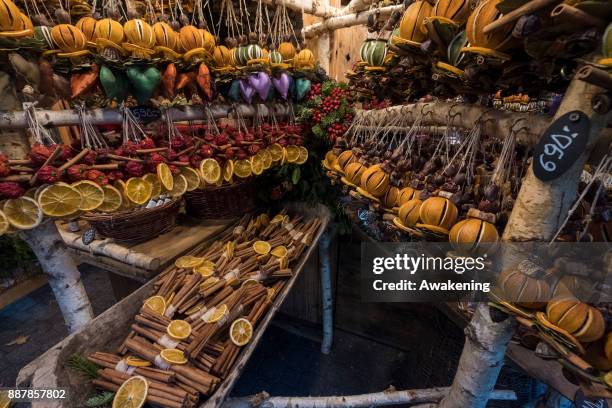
(582, 401)
(146, 114)
(562, 143)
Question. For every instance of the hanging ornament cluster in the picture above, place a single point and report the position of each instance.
(450, 47)
(447, 184)
(159, 53)
(132, 167)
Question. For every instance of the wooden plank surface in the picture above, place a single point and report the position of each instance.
(14, 293)
(162, 250)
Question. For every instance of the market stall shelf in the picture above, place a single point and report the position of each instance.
(140, 262)
(50, 369)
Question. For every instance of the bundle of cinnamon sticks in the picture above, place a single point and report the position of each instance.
(242, 284)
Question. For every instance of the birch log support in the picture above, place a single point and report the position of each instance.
(377, 399)
(481, 360)
(64, 277)
(107, 247)
(355, 6)
(324, 50)
(529, 126)
(326, 290)
(541, 206)
(51, 118)
(312, 7)
(347, 20)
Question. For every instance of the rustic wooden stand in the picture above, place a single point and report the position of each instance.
(107, 330)
(129, 266)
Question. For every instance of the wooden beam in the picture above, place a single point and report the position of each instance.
(529, 126)
(347, 20)
(49, 118)
(312, 7)
(376, 399)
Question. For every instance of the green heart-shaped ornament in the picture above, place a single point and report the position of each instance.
(302, 86)
(144, 82)
(115, 84)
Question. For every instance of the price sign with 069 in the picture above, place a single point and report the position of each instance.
(560, 146)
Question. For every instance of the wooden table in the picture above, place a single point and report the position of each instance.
(130, 265)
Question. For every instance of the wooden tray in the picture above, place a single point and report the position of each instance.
(107, 331)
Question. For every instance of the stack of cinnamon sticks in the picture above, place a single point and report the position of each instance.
(242, 284)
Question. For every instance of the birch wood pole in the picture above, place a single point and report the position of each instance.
(313, 7)
(326, 290)
(541, 206)
(482, 358)
(347, 20)
(422, 398)
(51, 118)
(64, 277)
(324, 47)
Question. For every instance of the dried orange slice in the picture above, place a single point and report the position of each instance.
(210, 171)
(257, 165)
(22, 213)
(188, 261)
(279, 218)
(282, 262)
(178, 329)
(132, 393)
(5, 401)
(92, 195)
(241, 332)
(192, 177)
(228, 171)
(229, 249)
(155, 184)
(31, 192)
(113, 199)
(138, 190)
(134, 361)
(215, 314)
(180, 186)
(194, 309)
(276, 152)
(608, 379)
(164, 174)
(279, 251)
(293, 153)
(249, 282)
(261, 247)
(242, 168)
(156, 304)
(206, 269)
(266, 157)
(284, 158)
(173, 356)
(303, 155)
(4, 224)
(59, 200)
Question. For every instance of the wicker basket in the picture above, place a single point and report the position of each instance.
(134, 226)
(227, 201)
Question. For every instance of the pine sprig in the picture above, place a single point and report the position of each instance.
(100, 400)
(84, 366)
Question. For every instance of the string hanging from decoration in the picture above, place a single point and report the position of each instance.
(602, 170)
(131, 129)
(90, 135)
(40, 134)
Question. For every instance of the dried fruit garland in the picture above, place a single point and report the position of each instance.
(143, 173)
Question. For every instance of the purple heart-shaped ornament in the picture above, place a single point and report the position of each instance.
(261, 82)
(246, 90)
(281, 84)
